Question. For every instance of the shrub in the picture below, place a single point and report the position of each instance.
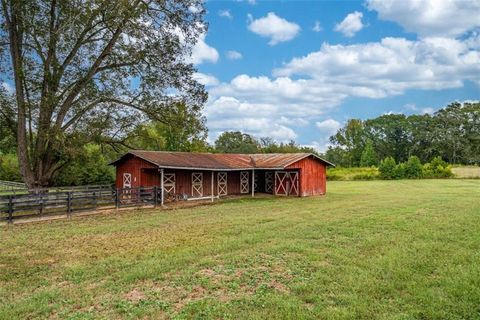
(387, 168)
(399, 171)
(9, 169)
(413, 168)
(437, 168)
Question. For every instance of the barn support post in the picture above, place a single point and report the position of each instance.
(155, 196)
(161, 188)
(211, 187)
(253, 183)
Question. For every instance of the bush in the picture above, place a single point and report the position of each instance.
(437, 168)
(413, 168)
(9, 169)
(387, 168)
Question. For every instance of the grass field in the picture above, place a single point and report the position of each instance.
(405, 249)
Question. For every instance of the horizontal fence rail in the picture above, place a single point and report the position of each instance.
(73, 200)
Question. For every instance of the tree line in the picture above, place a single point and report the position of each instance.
(451, 133)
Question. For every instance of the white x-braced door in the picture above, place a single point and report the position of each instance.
(286, 183)
(127, 180)
(169, 183)
(244, 181)
(222, 183)
(197, 184)
(294, 190)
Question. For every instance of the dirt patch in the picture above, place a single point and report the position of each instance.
(135, 296)
(280, 287)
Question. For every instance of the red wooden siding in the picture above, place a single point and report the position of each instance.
(313, 180)
(133, 166)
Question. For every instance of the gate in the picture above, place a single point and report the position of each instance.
(286, 183)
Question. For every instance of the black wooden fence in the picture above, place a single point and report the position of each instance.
(49, 203)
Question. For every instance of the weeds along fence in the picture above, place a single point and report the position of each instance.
(74, 200)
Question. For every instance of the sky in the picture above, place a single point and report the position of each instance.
(300, 69)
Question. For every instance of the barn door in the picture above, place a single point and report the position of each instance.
(127, 180)
(222, 183)
(281, 187)
(197, 184)
(294, 190)
(286, 183)
(244, 181)
(169, 183)
(269, 182)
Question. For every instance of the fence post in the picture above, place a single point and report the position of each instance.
(117, 198)
(69, 204)
(10, 209)
(95, 199)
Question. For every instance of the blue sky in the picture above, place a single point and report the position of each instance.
(299, 69)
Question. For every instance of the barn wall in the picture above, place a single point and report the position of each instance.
(131, 165)
(313, 178)
(183, 182)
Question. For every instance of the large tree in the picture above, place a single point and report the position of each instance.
(82, 66)
(236, 142)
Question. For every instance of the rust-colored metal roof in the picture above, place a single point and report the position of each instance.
(219, 161)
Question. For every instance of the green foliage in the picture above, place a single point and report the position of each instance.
(369, 157)
(437, 168)
(387, 169)
(90, 167)
(9, 168)
(352, 139)
(413, 168)
(95, 69)
(236, 142)
(182, 129)
(452, 133)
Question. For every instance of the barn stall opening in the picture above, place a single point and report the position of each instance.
(185, 175)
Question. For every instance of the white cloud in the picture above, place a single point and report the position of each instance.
(228, 113)
(389, 67)
(202, 52)
(351, 24)
(205, 79)
(445, 18)
(317, 27)
(329, 126)
(274, 27)
(415, 109)
(234, 55)
(226, 14)
(308, 88)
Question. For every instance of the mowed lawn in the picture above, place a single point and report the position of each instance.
(367, 250)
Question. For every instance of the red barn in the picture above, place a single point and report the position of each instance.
(198, 175)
